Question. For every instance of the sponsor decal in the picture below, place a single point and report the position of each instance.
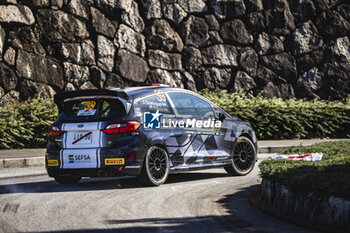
(79, 158)
(205, 158)
(87, 112)
(114, 161)
(71, 158)
(80, 126)
(78, 137)
(210, 158)
(209, 133)
(52, 163)
(161, 96)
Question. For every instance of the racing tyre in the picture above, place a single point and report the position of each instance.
(155, 169)
(244, 158)
(67, 179)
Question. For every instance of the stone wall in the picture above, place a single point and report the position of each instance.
(330, 214)
(284, 48)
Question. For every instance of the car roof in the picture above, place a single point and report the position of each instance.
(140, 91)
(126, 93)
(123, 92)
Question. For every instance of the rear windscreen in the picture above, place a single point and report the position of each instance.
(92, 110)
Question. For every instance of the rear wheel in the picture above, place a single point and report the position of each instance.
(244, 157)
(155, 169)
(67, 179)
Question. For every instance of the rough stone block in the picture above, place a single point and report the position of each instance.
(35, 161)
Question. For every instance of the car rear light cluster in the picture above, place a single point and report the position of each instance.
(54, 130)
(128, 126)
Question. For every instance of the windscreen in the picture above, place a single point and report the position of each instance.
(92, 110)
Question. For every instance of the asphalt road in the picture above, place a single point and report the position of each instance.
(201, 201)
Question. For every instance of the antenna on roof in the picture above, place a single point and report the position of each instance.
(159, 85)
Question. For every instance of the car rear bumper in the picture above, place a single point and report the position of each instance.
(96, 172)
(132, 158)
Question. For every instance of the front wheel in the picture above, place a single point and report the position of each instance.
(244, 157)
(67, 179)
(155, 169)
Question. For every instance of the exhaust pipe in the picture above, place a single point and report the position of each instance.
(102, 173)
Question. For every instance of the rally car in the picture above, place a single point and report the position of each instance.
(148, 132)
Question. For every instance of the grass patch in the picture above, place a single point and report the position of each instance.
(330, 176)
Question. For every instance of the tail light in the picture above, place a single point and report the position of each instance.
(128, 126)
(54, 130)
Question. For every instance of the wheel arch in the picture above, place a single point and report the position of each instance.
(155, 142)
(247, 135)
(160, 143)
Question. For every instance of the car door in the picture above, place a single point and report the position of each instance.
(203, 147)
(174, 139)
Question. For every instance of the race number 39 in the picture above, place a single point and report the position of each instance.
(90, 105)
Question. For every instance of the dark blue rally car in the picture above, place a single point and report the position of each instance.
(148, 131)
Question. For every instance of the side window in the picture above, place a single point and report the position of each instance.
(154, 103)
(187, 104)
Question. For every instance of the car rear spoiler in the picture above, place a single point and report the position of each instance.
(59, 97)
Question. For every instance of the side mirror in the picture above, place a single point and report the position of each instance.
(221, 116)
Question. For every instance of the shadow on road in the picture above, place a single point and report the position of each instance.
(219, 224)
(239, 216)
(100, 183)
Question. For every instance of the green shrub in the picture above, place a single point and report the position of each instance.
(26, 124)
(330, 176)
(286, 119)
